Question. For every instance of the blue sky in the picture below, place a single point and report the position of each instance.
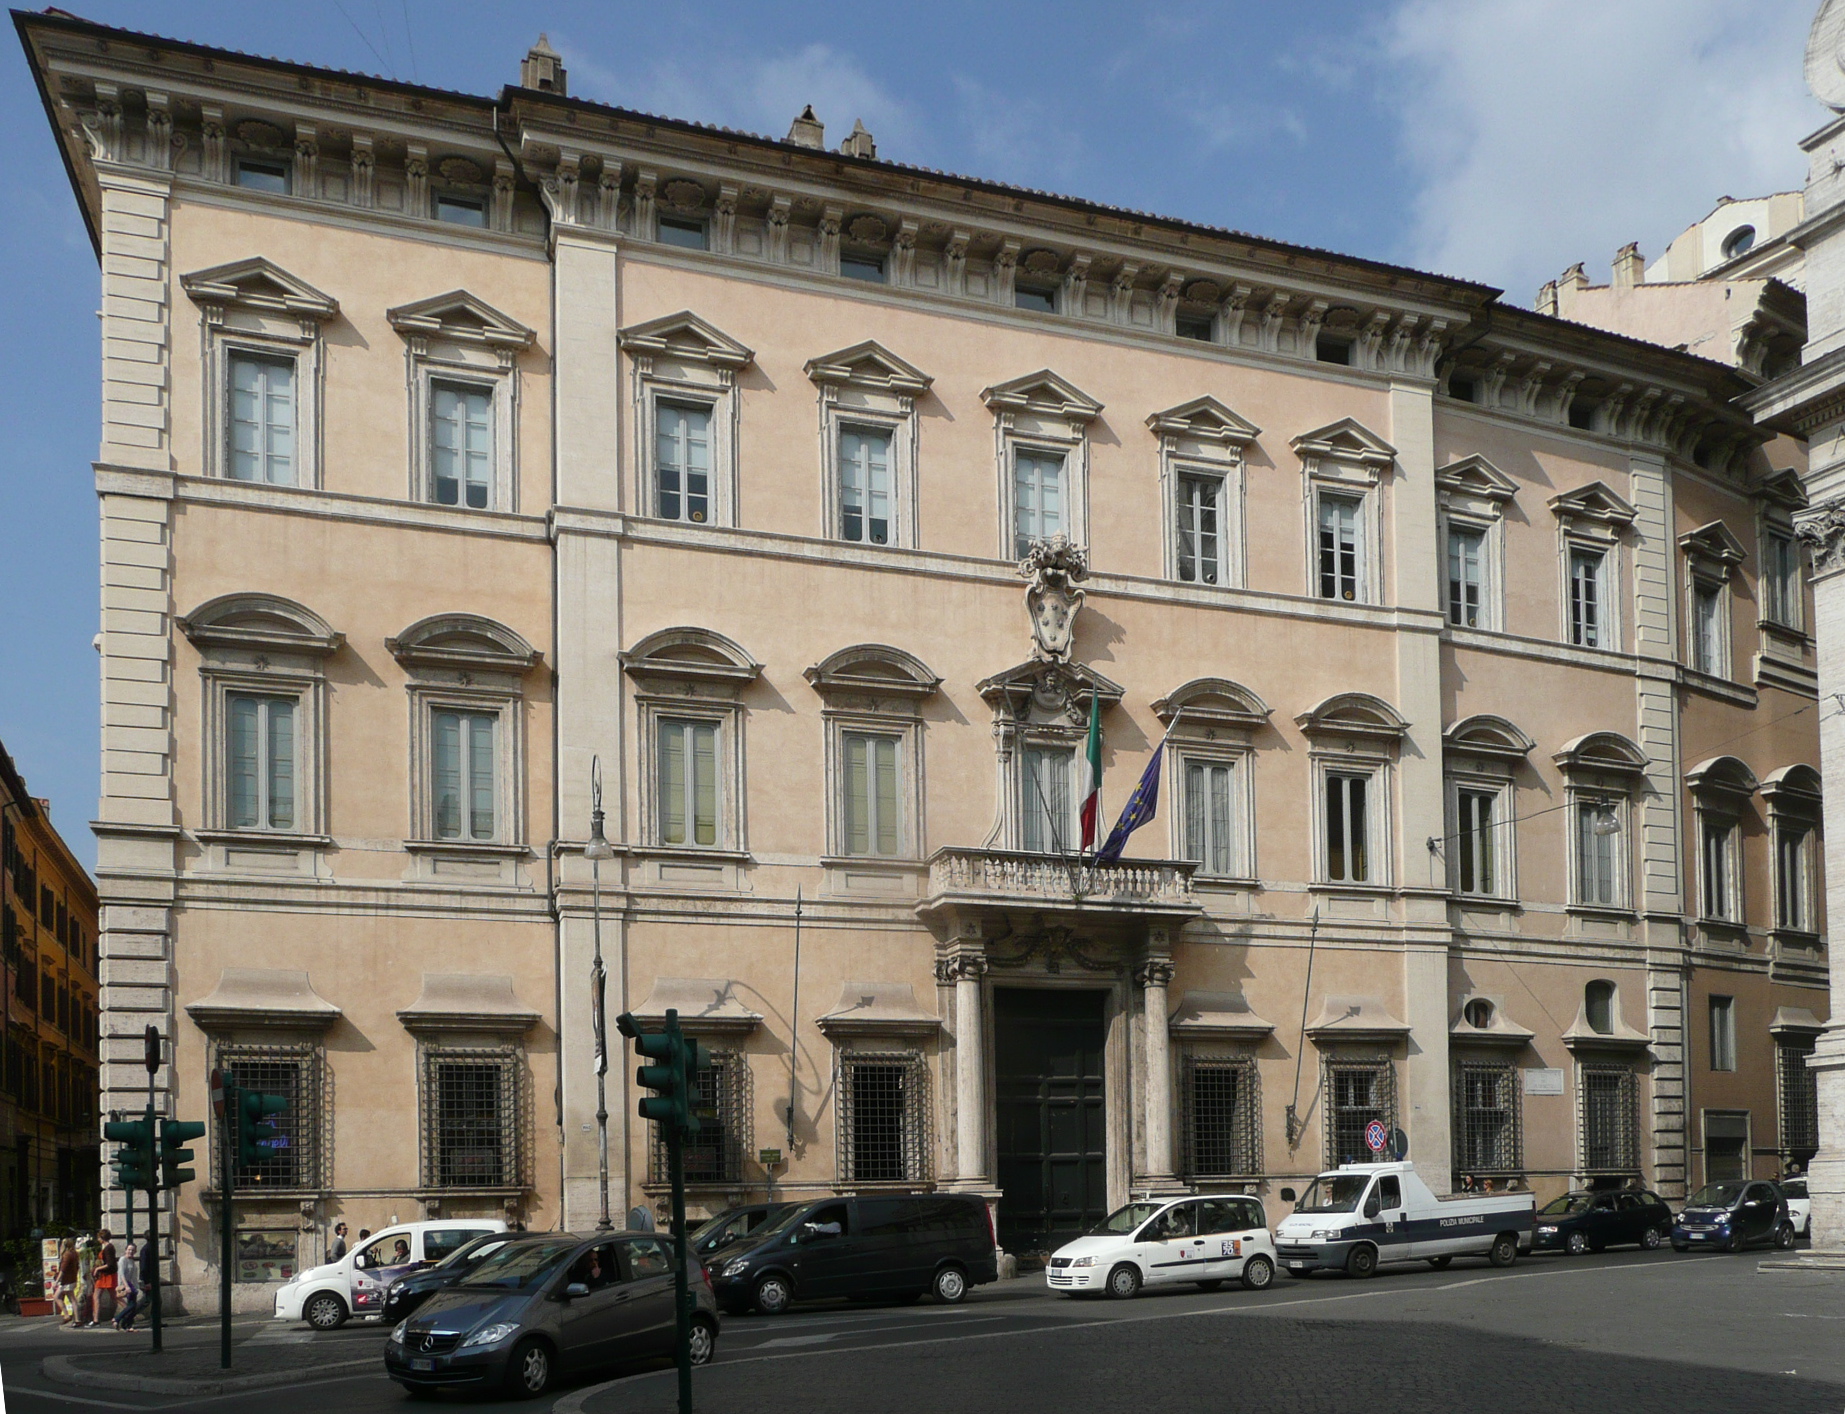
(1499, 140)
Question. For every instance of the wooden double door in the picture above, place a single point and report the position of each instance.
(1052, 1159)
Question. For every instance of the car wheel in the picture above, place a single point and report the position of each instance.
(1361, 1261)
(773, 1295)
(702, 1340)
(1504, 1251)
(1212, 1285)
(325, 1312)
(1784, 1236)
(1258, 1272)
(950, 1286)
(1440, 1264)
(1124, 1282)
(1576, 1244)
(1651, 1238)
(528, 1372)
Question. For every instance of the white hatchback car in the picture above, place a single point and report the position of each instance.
(1799, 1205)
(1205, 1240)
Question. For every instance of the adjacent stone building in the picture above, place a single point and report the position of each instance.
(455, 448)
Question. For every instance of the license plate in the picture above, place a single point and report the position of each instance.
(1297, 1266)
(422, 1364)
(1695, 1236)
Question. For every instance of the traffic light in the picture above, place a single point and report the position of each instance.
(174, 1134)
(678, 1060)
(134, 1161)
(256, 1137)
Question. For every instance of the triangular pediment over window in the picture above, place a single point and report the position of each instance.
(1476, 476)
(869, 365)
(1783, 488)
(1596, 502)
(1345, 440)
(687, 337)
(1043, 392)
(1714, 544)
(1207, 420)
(461, 317)
(258, 283)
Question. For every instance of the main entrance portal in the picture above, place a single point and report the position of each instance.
(1052, 1169)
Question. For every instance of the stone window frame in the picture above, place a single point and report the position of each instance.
(869, 386)
(1245, 1141)
(1484, 752)
(692, 674)
(1354, 733)
(1793, 797)
(1041, 412)
(460, 339)
(1781, 497)
(510, 1058)
(918, 1143)
(1215, 721)
(682, 359)
(1628, 1124)
(1505, 1070)
(1347, 460)
(879, 690)
(1601, 768)
(1712, 558)
(1593, 518)
(316, 1082)
(1473, 494)
(254, 306)
(1721, 790)
(266, 646)
(1205, 438)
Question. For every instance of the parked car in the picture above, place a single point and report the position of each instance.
(901, 1246)
(1799, 1205)
(416, 1286)
(1587, 1222)
(550, 1304)
(327, 1296)
(1734, 1214)
(732, 1225)
(1205, 1240)
(1360, 1215)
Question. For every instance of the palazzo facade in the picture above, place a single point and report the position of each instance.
(460, 452)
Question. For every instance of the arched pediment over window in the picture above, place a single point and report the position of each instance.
(1354, 714)
(1204, 703)
(690, 655)
(1792, 787)
(463, 641)
(1601, 751)
(1722, 776)
(874, 668)
(1487, 735)
(259, 621)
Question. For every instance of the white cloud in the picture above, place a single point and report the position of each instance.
(1541, 132)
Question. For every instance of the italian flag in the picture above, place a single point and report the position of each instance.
(1092, 755)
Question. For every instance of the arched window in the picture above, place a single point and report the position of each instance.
(1598, 1006)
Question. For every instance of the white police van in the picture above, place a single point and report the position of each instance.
(1206, 1240)
(1359, 1215)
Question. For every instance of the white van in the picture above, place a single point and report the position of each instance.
(326, 1296)
(1355, 1216)
(1206, 1240)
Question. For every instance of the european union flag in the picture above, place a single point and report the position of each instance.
(1139, 809)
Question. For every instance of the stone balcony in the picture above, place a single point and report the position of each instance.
(970, 880)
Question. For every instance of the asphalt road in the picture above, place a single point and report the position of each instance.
(1631, 1333)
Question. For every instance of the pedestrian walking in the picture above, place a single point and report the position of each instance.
(128, 1287)
(105, 1279)
(66, 1293)
(85, 1308)
(338, 1249)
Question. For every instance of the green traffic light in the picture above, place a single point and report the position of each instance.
(133, 1162)
(257, 1139)
(174, 1135)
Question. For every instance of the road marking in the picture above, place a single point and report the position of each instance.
(27, 1390)
(820, 1339)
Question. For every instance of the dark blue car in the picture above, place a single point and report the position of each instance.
(1732, 1215)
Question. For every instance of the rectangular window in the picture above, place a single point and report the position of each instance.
(261, 425)
(1595, 857)
(1466, 555)
(1210, 816)
(682, 462)
(470, 1118)
(1799, 1096)
(1793, 905)
(1723, 1033)
(1474, 862)
(1045, 805)
(466, 785)
(1200, 528)
(289, 1160)
(1487, 1136)
(1357, 1092)
(1780, 580)
(1719, 848)
(872, 795)
(1348, 859)
(1042, 298)
(261, 174)
(1586, 628)
(1707, 628)
(869, 268)
(883, 1109)
(260, 762)
(864, 485)
(1341, 548)
(1038, 498)
(686, 232)
(1193, 326)
(461, 445)
(1610, 1128)
(721, 1100)
(688, 782)
(461, 210)
(1222, 1123)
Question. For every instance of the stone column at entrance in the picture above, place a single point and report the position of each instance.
(965, 966)
(1153, 977)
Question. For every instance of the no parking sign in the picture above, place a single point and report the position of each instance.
(1376, 1136)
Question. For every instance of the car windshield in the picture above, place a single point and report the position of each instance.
(778, 1223)
(1567, 1204)
(1795, 1188)
(519, 1266)
(1716, 1195)
(1125, 1219)
(709, 1226)
(1333, 1193)
(464, 1257)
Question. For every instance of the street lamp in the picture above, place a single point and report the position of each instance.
(595, 852)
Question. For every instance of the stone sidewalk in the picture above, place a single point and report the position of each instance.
(189, 1363)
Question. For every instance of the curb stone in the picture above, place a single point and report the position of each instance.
(64, 1370)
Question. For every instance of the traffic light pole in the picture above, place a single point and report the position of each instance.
(682, 1315)
(226, 1233)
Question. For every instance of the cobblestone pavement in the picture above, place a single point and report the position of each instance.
(1627, 1333)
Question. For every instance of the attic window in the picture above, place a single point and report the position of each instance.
(1461, 390)
(262, 174)
(1479, 1013)
(1042, 298)
(461, 210)
(1332, 350)
(1194, 326)
(869, 268)
(1739, 242)
(1582, 416)
(684, 231)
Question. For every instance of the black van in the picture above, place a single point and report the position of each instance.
(901, 1246)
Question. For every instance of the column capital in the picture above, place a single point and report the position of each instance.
(964, 963)
(1822, 531)
(1154, 972)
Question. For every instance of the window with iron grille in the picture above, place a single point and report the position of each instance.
(883, 1117)
(1488, 1136)
(721, 1098)
(1610, 1120)
(1798, 1091)
(1222, 1116)
(471, 1118)
(1357, 1092)
(292, 1159)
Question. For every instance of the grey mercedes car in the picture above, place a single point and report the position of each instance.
(546, 1305)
